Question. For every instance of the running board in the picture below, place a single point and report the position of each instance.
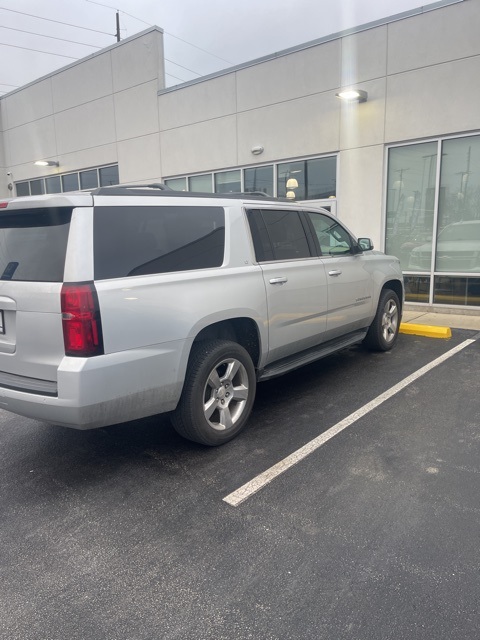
(310, 355)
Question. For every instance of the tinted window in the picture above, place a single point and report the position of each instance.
(108, 176)
(23, 188)
(53, 184)
(70, 182)
(88, 179)
(132, 241)
(36, 187)
(278, 235)
(33, 244)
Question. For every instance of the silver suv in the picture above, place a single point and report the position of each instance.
(127, 302)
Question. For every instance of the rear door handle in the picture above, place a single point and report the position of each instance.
(334, 273)
(281, 280)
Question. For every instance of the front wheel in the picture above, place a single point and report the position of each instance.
(218, 393)
(383, 331)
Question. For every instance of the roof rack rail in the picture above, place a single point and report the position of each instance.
(126, 189)
(162, 190)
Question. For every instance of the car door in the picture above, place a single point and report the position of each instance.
(348, 275)
(294, 278)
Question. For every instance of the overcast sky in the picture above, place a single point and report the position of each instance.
(224, 32)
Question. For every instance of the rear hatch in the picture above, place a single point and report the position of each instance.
(33, 246)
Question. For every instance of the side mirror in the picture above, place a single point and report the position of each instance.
(365, 244)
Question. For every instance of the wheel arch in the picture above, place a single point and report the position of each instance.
(242, 330)
(397, 287)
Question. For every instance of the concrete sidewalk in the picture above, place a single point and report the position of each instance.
(435, 324)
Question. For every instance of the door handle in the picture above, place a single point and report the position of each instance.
(334, 273)
(281, 280)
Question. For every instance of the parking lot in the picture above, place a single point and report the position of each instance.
(125, 532)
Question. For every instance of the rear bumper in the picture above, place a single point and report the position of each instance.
(104, 390)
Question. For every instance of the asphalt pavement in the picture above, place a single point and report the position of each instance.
(124, 533)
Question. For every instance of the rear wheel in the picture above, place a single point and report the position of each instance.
(218, 393)
(383, 331)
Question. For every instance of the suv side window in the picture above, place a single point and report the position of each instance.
(142, 240)
(278, 235)
(333, 239)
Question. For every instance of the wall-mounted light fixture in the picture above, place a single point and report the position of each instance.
(47, 163)
(257, 150)
(352, 95)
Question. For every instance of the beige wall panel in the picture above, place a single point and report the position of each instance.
(448, 33)
(364, 56)
(200, 147)
(437, 100)
(136, 111)
(363, 124)
(88, 158)
(139, 159)
(204, 101)
(90, 125)
(296, 128)
(360, 187)
(82, 83)
(31, 142)
(32, 103)
(298, 74)
(138, 61)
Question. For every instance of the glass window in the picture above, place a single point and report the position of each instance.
(258, 179)
(177, 184)
(37, 187)
(228, 182)
(280, 235)
(133, 241)
(53, 184)
(34, 244)
(109, 176)
(458, 239)
(70, 182)
(417, 288)
(291, 180)
(458, 291)
(201, 184)
(89, 179)
(22, 188)
(332, 237)
(410, 204)
(321, 178)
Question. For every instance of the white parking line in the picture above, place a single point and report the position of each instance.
(240, 495)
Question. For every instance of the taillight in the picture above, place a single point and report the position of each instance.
(82, 327)
(3, 205)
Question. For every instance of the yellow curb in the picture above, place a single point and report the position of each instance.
(425, 330)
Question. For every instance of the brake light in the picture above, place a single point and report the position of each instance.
(3, 205)
(82, 327)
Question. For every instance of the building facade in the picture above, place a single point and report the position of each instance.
(402, 166)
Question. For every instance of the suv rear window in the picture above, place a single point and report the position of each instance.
(33, 244)
(141, 240)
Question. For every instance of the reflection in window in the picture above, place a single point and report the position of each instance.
(88, 179)
(417, 288)
(109, 176)
(70, 182)
(259, 179)
(23, 189)
(201, 184)
(458, 240)
(458, 291)
(307, 179)
(177, 184)
(228, 182)
(411, 203)
(53, 184)
(37, 187)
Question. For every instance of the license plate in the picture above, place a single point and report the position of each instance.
(2, 322)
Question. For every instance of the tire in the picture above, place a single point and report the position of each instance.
(218, 393)
(383, 332)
